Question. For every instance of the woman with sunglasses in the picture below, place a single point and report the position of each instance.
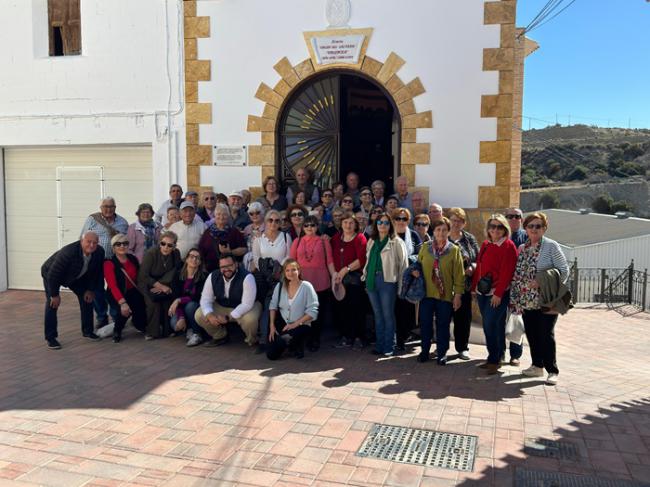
(272, 199)
(296, 215)
(469, 250)
(270, 251)
(495, 266)
(386, 261)
(537, 255)
(256, 227)
(421, 224)
(328, 205)
(405, 310)
(347, 203)
(221, 238)
(314, 255)
(121, 274)
(155, 280)
(188, 287)
(374, 213)
(366, 205)
(349, 253)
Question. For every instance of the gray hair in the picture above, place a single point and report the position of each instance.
(169, 234)
(378, 182)
(221, 208)
(105, 199)
(120, 237)
(256, 206)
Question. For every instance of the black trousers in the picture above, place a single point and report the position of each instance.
(138, 311)
(51, 321)
(540, 332)
(405, 320)
(325, 299)
(463, 323)
(294, 339)
(349, 314)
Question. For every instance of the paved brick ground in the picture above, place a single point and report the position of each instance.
(157, 413)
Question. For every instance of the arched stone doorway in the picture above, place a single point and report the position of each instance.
(336, 122)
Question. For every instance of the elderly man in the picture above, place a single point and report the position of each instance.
(189, 229)
(246, 199)
(192, 197)
(228, 296)
(240, 218)
(403, 196)
(418, 203)
(106, 224)
(175, 199)
(302, 184)
(209, 201)
(79, 267)
(518, 235)
(378, 189)
(352, 187)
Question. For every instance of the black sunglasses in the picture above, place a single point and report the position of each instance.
(168, 245)
(124, 243)
(298, 214)
(513, 217)
(534, 226)
(401, 219)
(491, 226)
(421, 224)
(309, 225)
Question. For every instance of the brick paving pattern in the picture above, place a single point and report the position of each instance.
(158, 413)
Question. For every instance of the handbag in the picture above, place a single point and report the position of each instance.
(484, 285)
(352, 278)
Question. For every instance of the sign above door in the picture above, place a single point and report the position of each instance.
(337, 47)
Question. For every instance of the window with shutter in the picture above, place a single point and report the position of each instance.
(64, 24)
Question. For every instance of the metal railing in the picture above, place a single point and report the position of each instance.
(624, 290)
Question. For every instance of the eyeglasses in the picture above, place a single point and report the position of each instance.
(194, 256)
(534, 226)
(108, 206)
(421, 224)
(309, 225)
(366, 194)
(401, 219)
(168, 245)
(252, 213)
(513, 217)
(273, 220)
(491, 226)
(209, 198)
(297, 214)
(348, 201)
(124, 243)
(383, 222)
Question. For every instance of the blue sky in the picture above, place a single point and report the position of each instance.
(593, 64)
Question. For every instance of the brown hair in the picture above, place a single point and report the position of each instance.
(458, 213)
(439, 223)
(286, 264)
(347, 215)
(422, 216)
(270, 178)
(535, 216)
(397, 211)
(374, 232)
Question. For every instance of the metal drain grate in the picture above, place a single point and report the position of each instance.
(420, 447)
(538, 478)
(542, 447)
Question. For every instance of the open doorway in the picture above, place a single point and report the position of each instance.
(337, 123)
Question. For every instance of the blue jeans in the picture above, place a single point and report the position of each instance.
(494, 324)
(443, 311)
(382, 300)
(102, 306)
(190, 310)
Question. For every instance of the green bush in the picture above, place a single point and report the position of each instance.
(602, 204)
(549, 199)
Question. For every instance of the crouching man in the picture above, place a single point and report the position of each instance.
(79, 267)
(228, 296)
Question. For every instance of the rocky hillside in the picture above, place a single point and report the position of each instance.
(558, 155)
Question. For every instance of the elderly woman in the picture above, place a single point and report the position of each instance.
(188, 287)
(392, 203)
(143, 233)
(221, 238)
(537, 256)
(444, 277)
(495, 265)
(300, 199)
(272, 199)
(296, 215)
(121, 274)
(314, 255)
(332, 228)
(421, 224)
(256, 227)
(294, 306)
(173, 216)
(338, 190)
(347, 203)
(349, 252)
(386, 261)
(469, 250)
(155, 280)
(405, 310)
(270, 250)
(366, 205)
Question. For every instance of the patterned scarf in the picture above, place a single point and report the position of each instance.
(437, 253)
(149, 228)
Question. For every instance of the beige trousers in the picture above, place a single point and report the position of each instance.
(248, 322)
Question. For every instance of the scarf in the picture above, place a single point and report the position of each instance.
(438, 253)
(149, 230)
(217, 234)
(408, 240)
(374, 262)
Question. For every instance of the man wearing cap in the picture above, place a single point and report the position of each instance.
(189, 229)
(517, 234)
(79, 267)
(175, 199)
(240, 218)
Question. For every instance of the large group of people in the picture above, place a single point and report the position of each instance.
(378, 269)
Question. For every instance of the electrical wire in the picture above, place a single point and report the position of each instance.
(548, 12)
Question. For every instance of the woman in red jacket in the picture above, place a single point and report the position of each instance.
(495, 266)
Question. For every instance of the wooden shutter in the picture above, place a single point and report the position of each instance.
(65, 15)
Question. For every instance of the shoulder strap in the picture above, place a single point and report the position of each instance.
(101, 221)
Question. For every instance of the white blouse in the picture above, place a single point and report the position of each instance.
(278, 249)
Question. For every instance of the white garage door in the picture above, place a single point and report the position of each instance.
(50, 191)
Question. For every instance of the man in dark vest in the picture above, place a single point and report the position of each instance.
(229, 296)
(79, 267)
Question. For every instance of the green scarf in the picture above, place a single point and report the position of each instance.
(374, 263)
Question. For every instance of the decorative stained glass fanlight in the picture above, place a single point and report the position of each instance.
(309, 132)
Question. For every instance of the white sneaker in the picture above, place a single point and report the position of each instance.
(533, 371)
(194, 340)
(464, 355)
(551, 380)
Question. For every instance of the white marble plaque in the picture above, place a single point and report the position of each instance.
(343, 49)
(229, 155)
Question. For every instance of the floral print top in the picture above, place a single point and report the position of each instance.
(522, 295)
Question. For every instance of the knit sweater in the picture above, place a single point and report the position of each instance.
(451, 272)
(497, 260)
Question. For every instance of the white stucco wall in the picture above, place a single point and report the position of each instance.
(441, 41)
(119, 91)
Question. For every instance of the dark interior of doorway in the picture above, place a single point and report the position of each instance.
(366, 137)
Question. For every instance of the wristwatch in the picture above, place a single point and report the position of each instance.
(348, 267)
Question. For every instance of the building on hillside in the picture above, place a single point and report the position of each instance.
(601, 241)
(125, 97)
